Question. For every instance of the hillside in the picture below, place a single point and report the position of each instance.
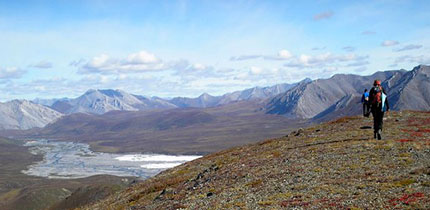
(332, 165)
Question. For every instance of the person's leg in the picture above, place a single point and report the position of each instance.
(364, 109)
(367, 109)
(375, 123)
(380, 121)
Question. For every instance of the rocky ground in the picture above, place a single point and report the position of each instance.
(333, 165)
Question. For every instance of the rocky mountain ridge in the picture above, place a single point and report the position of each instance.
(23, 114)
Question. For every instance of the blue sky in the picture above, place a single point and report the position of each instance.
(184, 48)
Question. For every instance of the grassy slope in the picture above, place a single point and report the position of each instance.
(332, 165)
(19, 191)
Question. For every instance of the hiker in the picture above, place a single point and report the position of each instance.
(378, 105)
(366, 104)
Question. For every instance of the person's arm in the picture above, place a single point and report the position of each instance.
(371, 93)
(362, 98)
(386, 104)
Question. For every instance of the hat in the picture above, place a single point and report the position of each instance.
(377, 82)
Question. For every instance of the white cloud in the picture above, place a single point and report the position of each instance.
(409, 47)
(77, 63)
(43, 65)
(142, 57)
(322, 60)
(349, 48)
(198, 66)
(11, 73)
(388, 43)
(281, 55)
(318, 48)
(419, 59)
(360, 69)
(323, 15)
(256, 70)
(359, 63)
(367, 32)
(285, 54)
(244, 57)
(133, 63)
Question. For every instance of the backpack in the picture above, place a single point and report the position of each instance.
(377, 93)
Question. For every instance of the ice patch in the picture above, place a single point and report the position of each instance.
(160, 165)
(156, 158)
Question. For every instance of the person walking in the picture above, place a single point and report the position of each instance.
(366, 104)
(378, 105)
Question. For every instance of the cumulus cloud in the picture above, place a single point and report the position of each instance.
(367, 32)
(361, 69)
(409, 47)
(256, 70)
(42, 65)
(11, 73)
(349, 48)
(77, 63)
(285, 54)
(389, 43)
(134, 63)
(245, 57)
(281, 55)
(322, 60)
(419, 59)
(359, 63)
(198, 66)
(323, 15)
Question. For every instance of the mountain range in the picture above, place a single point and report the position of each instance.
(405, 89)
(317, 100)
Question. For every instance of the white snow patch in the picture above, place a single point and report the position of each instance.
(157, 158)
(160, 165)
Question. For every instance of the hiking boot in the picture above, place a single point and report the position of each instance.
(374, 134)
(379, 134)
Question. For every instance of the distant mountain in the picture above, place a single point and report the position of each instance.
(204, 100)
(255, 93)
(102, 101)
(22, 114)
(308, 99)
(47, 102)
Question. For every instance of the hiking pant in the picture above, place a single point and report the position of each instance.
(366, 109)
(378, 117)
